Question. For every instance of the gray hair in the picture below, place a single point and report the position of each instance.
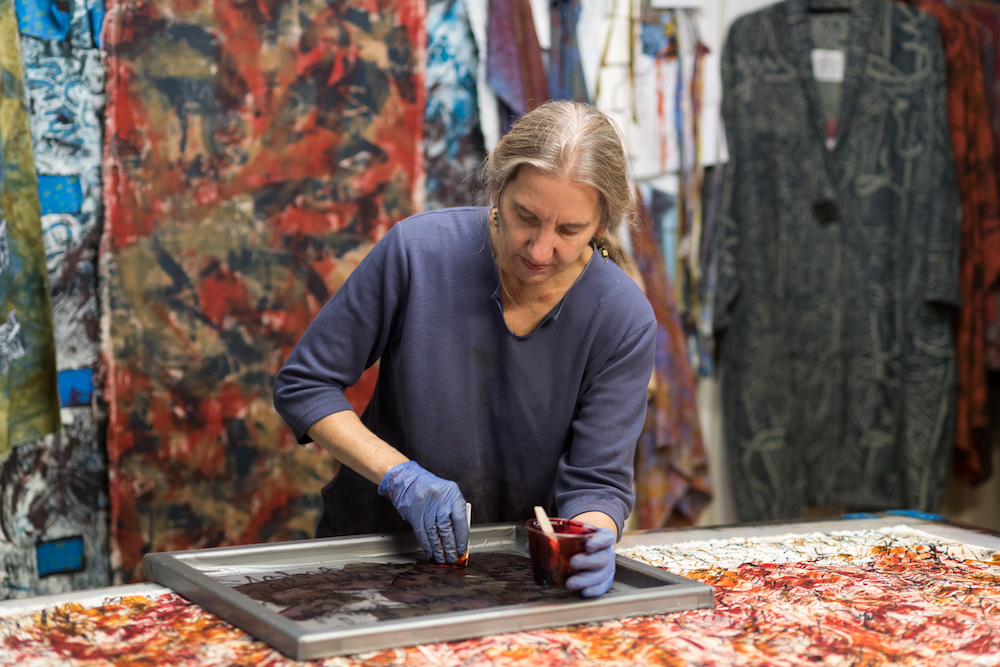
(570, 140)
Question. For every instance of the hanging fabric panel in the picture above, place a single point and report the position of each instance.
(976, 175)
(514, 67)
(566, 80)
(256, 151)
(671, 476)
(29, 397)
(453, 138)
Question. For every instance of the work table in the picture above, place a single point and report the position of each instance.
(866, 589)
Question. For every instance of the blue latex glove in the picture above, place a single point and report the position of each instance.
(434, 507)
(596, 568)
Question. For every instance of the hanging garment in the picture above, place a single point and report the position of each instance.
(453, 139)
(65, 85)
(671, 472)
(29, 397)
(837, 241)
(514, 68)
(976, 175)
(46, 19)
(566, 80)
(987, 18)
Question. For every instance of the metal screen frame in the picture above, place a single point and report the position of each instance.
(638, 589)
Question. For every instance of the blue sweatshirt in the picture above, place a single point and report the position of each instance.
(550, 418)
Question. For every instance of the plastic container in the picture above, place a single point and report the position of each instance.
(550, 555)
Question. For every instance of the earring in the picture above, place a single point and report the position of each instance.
(496, 216)
(603, 249)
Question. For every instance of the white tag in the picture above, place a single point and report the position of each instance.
(828, 65)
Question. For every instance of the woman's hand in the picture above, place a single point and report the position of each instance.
(596, 568)
(434, 507)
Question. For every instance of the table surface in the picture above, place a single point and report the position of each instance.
(877, 589)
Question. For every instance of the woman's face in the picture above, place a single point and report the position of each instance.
(546, 224)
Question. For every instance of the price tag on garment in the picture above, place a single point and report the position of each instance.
(828, 65)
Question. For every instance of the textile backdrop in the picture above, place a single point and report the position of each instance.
(255, 152)
(53, 488)
(29, 400)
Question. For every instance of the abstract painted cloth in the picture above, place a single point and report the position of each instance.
(547, 418)
(659, 90)
(671, 475)
(29, 398)
(987, 18)
(255, 153)
(54, 516)
(976, 174)
(54, 21)
(65, 84)
(837, 261)
(514, 65)
(453, 139)
(71, 243)
(45, 19)
(54, 525)
(872, 597)
(566, 80)
(668, 71)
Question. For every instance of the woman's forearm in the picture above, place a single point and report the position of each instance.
(599, 519)
(350, 442)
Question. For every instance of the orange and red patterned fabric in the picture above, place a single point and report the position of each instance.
(976, 174)
(255, 151)
(893, 602)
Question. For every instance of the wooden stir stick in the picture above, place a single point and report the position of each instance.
(544, 523)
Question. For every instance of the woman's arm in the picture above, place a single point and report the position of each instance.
(350, 442)
(434, 507)
(599, 519)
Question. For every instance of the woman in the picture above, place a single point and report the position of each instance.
(514, 357)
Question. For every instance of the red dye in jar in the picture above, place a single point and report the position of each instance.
(550, 555)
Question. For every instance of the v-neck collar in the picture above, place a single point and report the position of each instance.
(864, 15)
(553, 314)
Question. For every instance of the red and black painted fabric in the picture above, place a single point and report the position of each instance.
(255, 152)
(976, 175)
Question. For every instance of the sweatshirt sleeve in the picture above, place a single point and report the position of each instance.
(597, 470)
(347, 336)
